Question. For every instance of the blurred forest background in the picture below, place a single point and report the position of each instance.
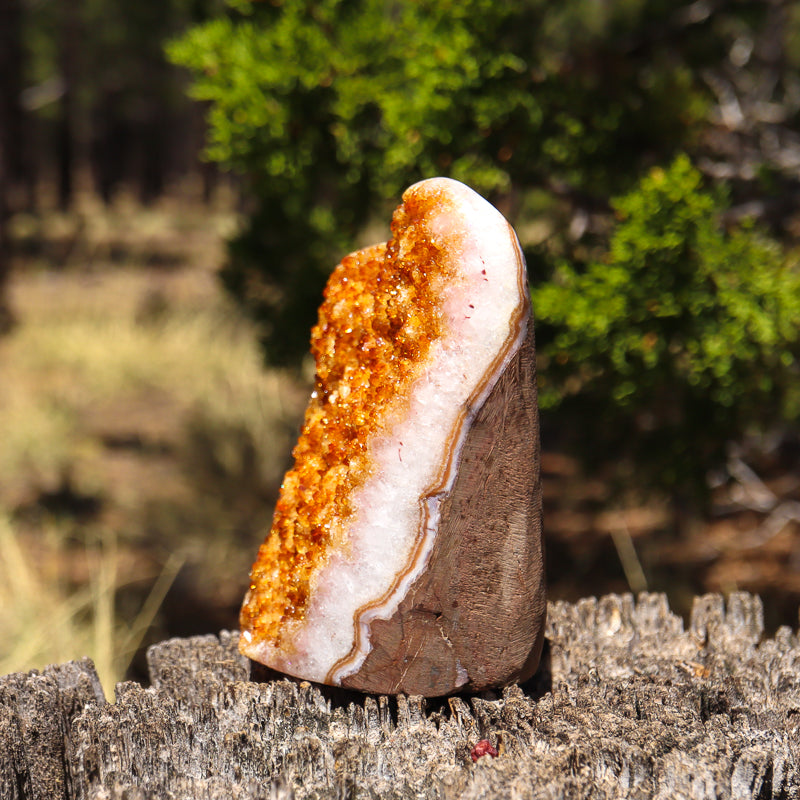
(178, 177)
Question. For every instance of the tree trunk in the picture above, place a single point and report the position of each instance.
(11, 137)
(627, 704)
(69, 42)
(6, 319)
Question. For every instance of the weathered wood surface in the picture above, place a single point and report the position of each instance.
(629, 705)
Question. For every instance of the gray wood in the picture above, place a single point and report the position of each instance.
(36, 715)
(627, 704)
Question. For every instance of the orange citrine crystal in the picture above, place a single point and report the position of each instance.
(379, 316)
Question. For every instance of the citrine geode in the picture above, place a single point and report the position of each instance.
(405, 553)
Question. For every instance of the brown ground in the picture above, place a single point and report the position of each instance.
(749, 541)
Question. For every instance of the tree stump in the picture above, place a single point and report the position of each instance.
(627, 704)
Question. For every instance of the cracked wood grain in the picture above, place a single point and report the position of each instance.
(629, 703)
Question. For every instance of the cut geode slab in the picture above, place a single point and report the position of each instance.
(405, 553)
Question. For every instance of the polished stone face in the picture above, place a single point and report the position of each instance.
(412, 339)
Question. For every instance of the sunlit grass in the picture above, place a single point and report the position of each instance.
(144, 392)
(43, 620)
(82, 348)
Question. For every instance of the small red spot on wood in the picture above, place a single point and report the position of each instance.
(483, 748)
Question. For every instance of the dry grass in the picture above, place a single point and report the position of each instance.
(140, 432)
(45, 621)
(83, 345)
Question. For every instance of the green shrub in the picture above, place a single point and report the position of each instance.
(682, 337)
(332, 108)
